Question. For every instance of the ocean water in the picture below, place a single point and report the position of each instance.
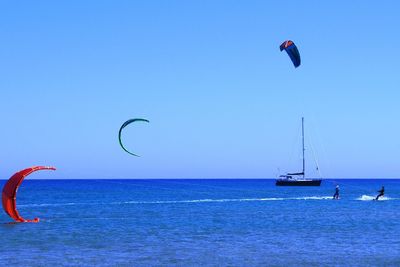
(202, 222)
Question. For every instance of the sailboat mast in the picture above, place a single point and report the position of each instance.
(302, 134)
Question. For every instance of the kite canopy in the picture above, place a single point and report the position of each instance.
(292, 51)
(10, 192)
(122, 127)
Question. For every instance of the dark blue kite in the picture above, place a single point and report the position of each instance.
(292, 51)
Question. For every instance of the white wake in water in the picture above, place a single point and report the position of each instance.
(206, 200)
(200, 200)
(369, 198)
(313, 198)
(54, 204)
(226, 200)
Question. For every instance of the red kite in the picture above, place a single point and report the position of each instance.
(10, 192)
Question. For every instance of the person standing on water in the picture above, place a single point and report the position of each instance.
(381, 193)
(336, 195)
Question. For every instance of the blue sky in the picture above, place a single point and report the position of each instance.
(222, 100)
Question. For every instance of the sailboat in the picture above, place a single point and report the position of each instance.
(298, 178)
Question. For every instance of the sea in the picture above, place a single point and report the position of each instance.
(202, 222)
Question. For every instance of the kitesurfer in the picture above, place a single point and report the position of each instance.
(381, 193)
(336, 195)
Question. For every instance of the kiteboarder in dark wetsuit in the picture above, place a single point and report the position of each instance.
(336, 195)
(381, 193)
